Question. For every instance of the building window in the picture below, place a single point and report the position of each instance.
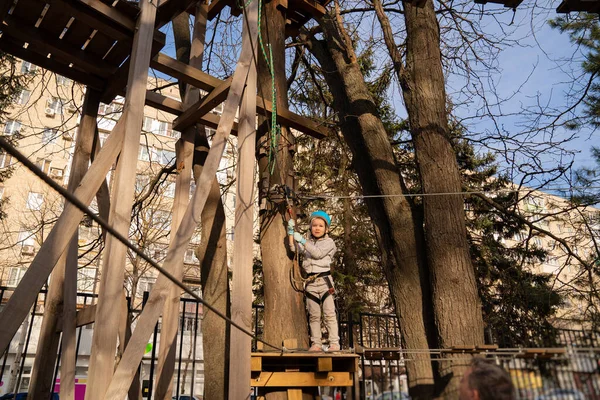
(144, 285)
(54, 106)
(23, 97)
(11, 127)
(28, 68)
(14, 276)
(4, 159)
(166, 156)
(164, 128)
(63, 80)
(86, 277)
(218, 109)
(170, 190)
(44, 165)
(141, 182)
(144, 153)
(49, 136)
(190, 257)
(35, 201)
(147, 124)
(161, 219)
(192, 188)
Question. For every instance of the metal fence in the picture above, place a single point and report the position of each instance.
(17, 362)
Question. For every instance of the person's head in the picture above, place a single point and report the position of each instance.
(486, 381)
(319, 224)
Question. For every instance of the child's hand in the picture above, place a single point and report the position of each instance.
(298, 238)
(290, 227)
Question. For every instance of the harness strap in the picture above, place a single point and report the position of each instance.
(327, 279)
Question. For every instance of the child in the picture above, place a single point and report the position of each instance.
(318, 253)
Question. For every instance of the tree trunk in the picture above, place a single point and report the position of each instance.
(280, 298)
(456, 303)
(398, 231)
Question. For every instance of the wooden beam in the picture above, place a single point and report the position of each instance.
(104, 340)
(149, 316)
(174, 107)
(216, 6)
(58, 48)
(324, 364)
(314, 8)
(86, 315)
(203, 106)
(96, 15)
(256, 364)
(241, 291)
(302, 379)
(186, 73)
(185, 159)
(169, 9)
(55, 244)
(9, 46)
(195, 77)
(111, 13)
(119, 79)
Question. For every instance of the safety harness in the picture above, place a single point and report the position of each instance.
(313, 277)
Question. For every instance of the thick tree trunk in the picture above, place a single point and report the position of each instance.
(398, 234)
(285, 316)
(457, 308)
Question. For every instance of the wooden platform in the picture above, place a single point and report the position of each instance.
(304, 369)
(568, 6)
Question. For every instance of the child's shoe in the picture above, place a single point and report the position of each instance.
(316, 347)
(334, 347)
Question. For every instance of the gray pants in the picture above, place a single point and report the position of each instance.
(318, 288)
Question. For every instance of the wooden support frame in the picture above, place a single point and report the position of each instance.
(105, 335)
(184, 157)
(55, 244)
(241, 296)
(149, 316)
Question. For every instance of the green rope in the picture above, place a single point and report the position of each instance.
(275, 130)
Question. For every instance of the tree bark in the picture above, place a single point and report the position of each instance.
(285, 316)
(456, 303)
(397, 228)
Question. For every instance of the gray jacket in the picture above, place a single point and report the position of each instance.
(318, 254)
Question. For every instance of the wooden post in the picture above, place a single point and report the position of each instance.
(104, 341)
(185, 157)
(55, 244)
(241, 296)
(150, 314)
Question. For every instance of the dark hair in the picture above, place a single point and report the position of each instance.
(491, 381)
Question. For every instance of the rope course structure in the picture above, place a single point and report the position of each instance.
(109, 46)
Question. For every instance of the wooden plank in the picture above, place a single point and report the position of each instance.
(69, 54)
(9, 46)
(324, 364)
(241, 286)
(203, 106)
(256, 364)
(314, 8)
(91, 17)
(185, 159)
(104, 340)
(197, 78)
(216, 6)
(294, 394)
(186, 73)
(119, 81)
(86, 315)
(117, 18)
(169, 9)
(302, 379)
(57, 240)
(149, 316)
